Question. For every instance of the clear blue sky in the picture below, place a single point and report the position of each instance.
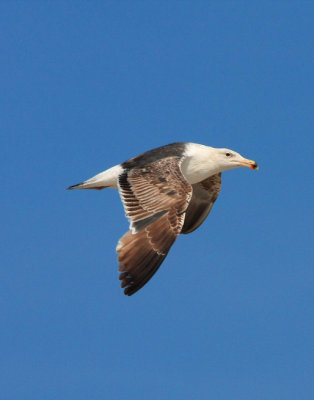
(87, 85)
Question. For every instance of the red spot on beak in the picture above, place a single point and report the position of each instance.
(254, 166)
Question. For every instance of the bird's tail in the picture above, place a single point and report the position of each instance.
(85, 185)
(100, 181)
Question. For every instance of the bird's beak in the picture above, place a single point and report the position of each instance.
(248, 163)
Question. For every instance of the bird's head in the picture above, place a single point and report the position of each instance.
(203, 161)
(228, 159)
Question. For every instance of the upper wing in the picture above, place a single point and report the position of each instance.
(204, 195)
(155, 198)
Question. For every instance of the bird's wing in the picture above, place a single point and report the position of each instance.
(204, 195)
(155, 198)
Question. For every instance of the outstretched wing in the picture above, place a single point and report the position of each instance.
(204, 195)
(155, 198)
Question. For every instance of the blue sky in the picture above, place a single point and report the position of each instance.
(87, 85)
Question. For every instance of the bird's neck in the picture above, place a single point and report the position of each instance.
(199, 163)
(195, 170)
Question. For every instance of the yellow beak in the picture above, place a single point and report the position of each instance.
(248, 163)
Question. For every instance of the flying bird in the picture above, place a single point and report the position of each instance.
(165, 191)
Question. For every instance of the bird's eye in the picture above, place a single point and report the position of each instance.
(228, 154)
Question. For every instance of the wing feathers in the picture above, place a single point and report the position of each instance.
(138, 225)
(155, 199)
(204, 195)
(138, 261)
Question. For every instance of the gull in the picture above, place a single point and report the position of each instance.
(165, 191)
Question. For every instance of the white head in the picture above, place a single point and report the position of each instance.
(229, 159)
(203, 161)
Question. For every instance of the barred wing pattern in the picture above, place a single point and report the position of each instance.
(155, 199)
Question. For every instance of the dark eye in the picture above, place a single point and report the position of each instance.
(228, 154)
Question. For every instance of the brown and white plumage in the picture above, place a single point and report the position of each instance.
(165, 192)
(155, 199)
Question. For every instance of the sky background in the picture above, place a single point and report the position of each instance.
(87, 85)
